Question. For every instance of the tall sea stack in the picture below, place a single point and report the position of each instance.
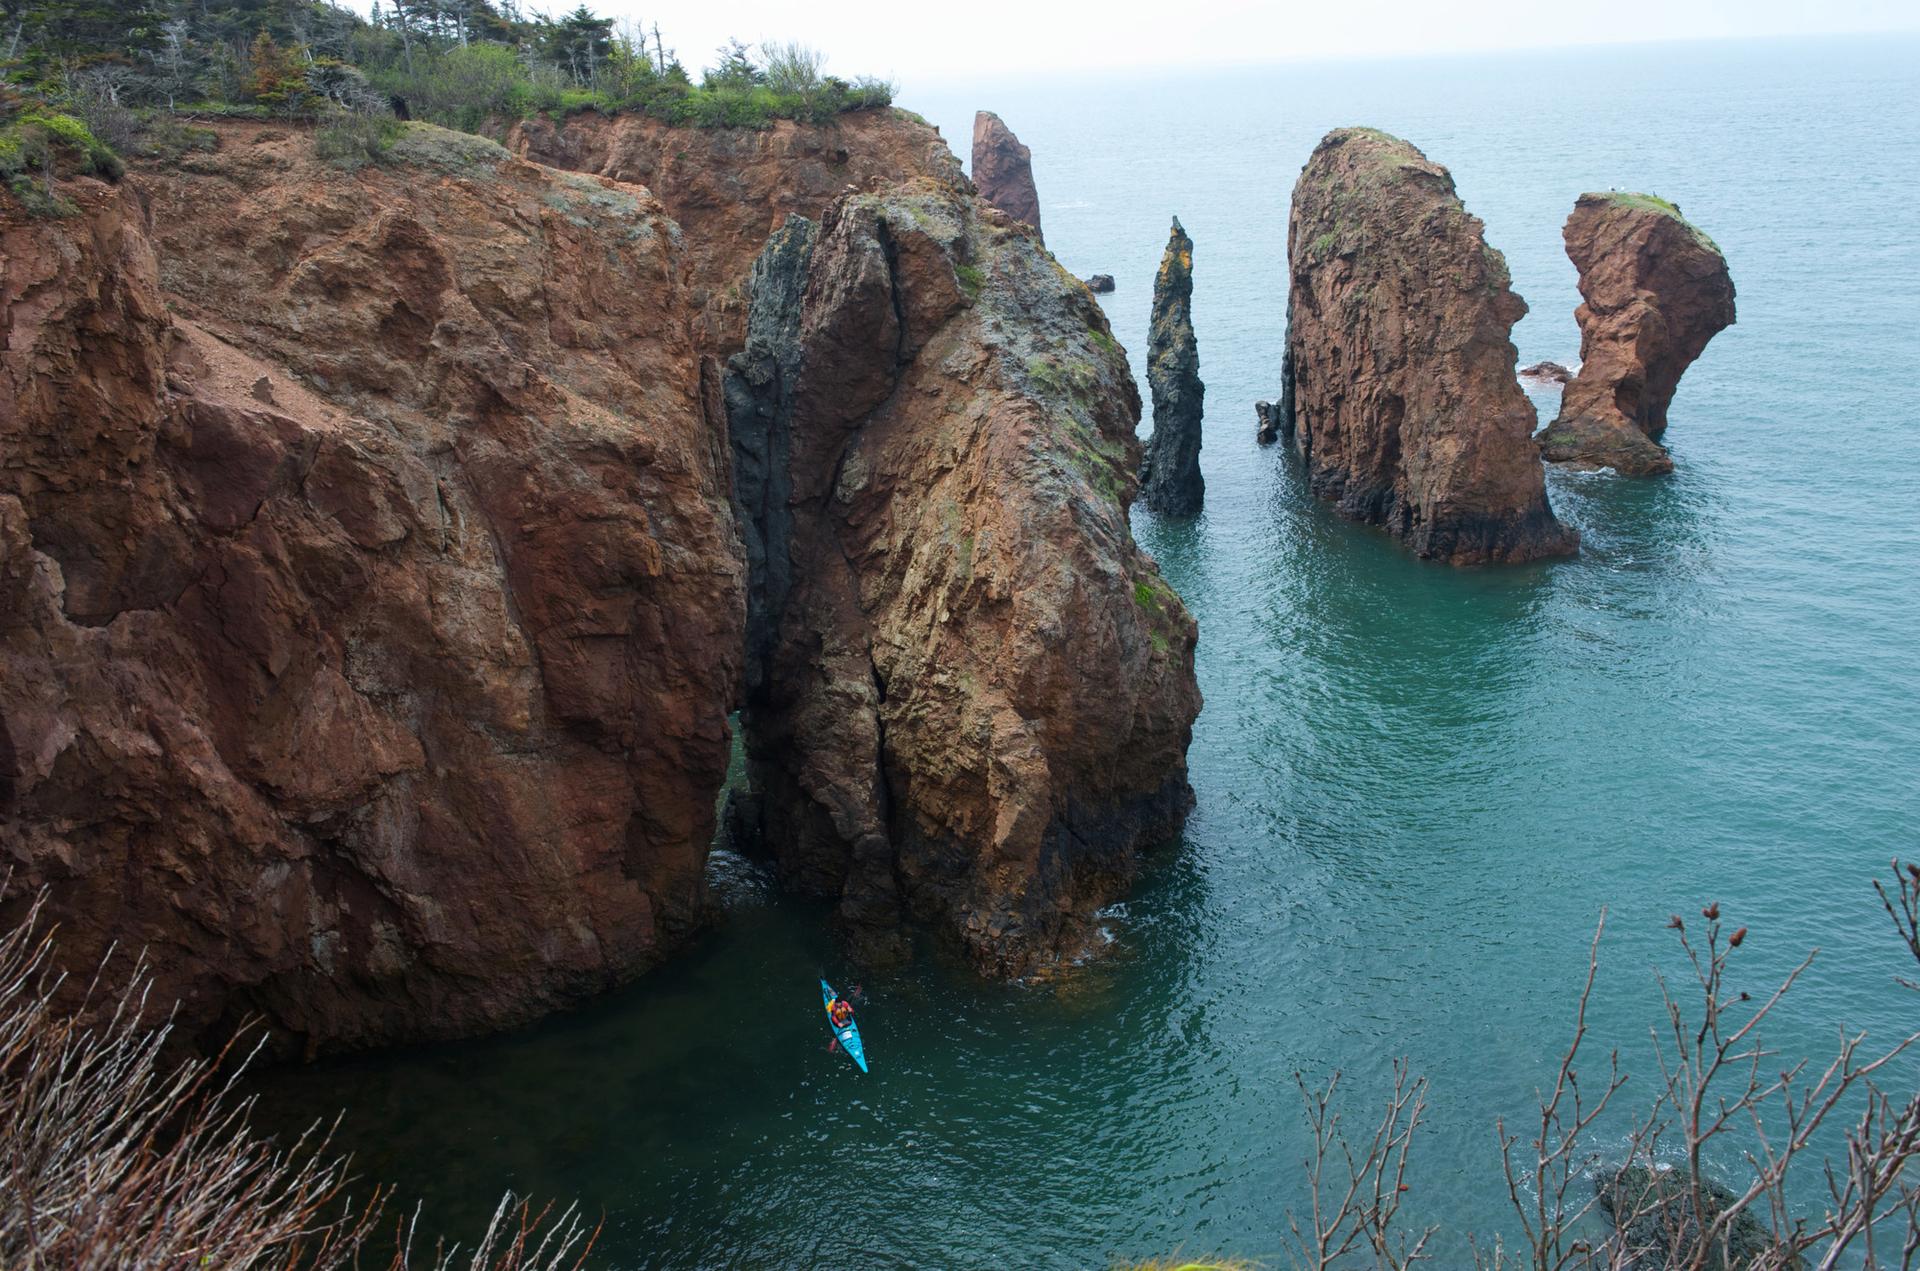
(1170, 477)
(1398, 385)
(1003, 170)
(1656, 290)
(969, 694)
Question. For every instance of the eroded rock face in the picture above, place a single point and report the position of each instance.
(972, 694)
(1398, 380)
(1170, 478)
(372, 596)
(1655, 291)
(370, 623)
(1003, 170)
(729, 188)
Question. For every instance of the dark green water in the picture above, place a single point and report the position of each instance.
(1417, 786)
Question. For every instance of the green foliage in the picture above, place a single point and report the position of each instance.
(473, 65)
(1654, 203)
(972, 279)
(48, 142)
(38, 145)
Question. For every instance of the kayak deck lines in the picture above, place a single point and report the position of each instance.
(848, 1037)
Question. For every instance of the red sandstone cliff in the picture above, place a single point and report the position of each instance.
(1003, 170)
(729, 188)
(1655, 290)
(1399, 387)
(368, 636)
(374, 597)
(971, 696)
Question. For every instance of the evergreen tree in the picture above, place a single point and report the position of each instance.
(579, 43)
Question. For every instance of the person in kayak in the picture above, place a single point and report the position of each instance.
(841, 1012)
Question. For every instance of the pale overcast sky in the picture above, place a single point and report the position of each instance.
(923, 44)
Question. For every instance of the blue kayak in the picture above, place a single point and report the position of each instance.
(848, 1037)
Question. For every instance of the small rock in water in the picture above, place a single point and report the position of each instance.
(1100, 284)
(1546, 371)
(1268, 429)
(1655, 1224)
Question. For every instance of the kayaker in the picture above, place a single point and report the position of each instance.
(841, 1012)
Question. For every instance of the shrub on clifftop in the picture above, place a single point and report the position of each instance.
(472, 66)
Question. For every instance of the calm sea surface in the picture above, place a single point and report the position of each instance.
(1417, 786)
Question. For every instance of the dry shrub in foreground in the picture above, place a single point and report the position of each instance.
(111, 1160)
(1719, 1095)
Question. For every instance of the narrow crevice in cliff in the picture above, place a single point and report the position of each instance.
(758, 392)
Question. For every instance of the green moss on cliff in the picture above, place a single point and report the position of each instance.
(428, 146)
(41, 144)
(1643, 202)
(42, 137)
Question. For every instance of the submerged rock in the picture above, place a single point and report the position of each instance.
(1170, 476)
(1398, 378)
(1546, 373)
(1003, 170)
(1655, 290)
(974, 695)
(1266, 417)
(1656, 1224)
(1100, 284)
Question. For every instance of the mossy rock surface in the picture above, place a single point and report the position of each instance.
(1652, 1210)
(1642, 202)
(426, 145)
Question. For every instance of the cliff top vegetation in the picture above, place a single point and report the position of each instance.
(117, 66)
(1652, 203)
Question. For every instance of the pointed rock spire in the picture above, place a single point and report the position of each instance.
(1170, 475)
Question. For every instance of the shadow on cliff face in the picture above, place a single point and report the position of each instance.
(968, 696)
(9, 769)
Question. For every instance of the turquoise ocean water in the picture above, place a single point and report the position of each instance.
(1416, 786)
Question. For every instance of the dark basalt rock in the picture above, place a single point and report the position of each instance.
(1655, 1225)
(759, 397)
(1267, 427)
(1170, 478)
(1398, 385)
(1100, 284)
(1546, 372)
